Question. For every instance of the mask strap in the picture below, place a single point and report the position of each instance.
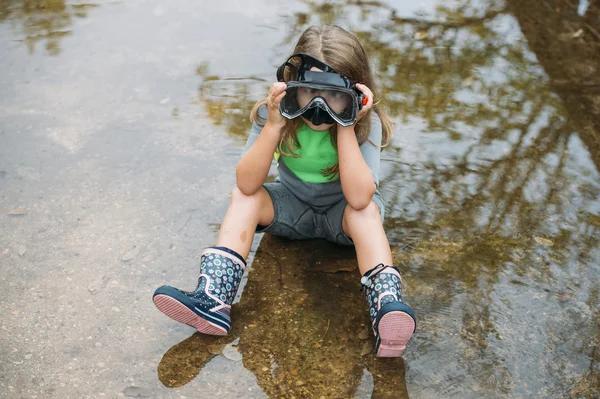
(308, 62)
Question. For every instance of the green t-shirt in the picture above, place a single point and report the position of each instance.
(316, 153)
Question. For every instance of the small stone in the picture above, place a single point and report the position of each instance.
(28, 356)
(22, 249)
(265, 369)
(115, 309)
(97, 286)
(299, 383)
(100, 364)
(231, 353)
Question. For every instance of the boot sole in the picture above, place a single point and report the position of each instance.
(181, 313)
(395, 330)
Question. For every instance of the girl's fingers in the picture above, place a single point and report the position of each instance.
(276, 93)
(277, 88)
(368, 93)
(278, 99)
(365, 90)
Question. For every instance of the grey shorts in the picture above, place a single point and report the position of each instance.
(297, 220)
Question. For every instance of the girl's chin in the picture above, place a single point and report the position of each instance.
(320, 128)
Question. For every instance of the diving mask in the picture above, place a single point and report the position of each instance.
(321, 97)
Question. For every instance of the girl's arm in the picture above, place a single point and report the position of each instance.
(357, 180)
(253, 168)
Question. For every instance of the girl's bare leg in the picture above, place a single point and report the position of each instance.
(245, 212)
(366, 230)
(207, 308)
(393, 320)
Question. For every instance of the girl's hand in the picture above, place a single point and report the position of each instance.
(274, 98)
(369, 95)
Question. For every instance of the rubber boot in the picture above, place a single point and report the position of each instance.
(393, 320)
(206, 308)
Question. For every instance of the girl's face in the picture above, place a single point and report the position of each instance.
(306, 94)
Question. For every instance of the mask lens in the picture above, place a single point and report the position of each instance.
(290, 103)
(340, 103)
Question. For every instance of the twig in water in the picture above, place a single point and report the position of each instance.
(327, 329)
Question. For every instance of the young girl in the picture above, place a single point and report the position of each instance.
(328, 162)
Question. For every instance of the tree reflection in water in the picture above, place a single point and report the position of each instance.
(492, 197)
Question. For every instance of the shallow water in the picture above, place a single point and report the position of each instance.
(121, 123)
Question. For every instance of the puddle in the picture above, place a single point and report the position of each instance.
(120, 125)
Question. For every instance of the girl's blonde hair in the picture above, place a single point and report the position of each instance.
(342, 51)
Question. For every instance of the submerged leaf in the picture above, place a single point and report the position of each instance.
(131, 254)
(333, 266)
(215, 349)
(544, 241)
(366, 348)
(137, 392)
(364, 334)
(16, 212)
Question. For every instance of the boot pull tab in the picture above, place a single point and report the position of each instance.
(371, 274)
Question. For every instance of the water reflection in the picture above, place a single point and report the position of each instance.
(44, 22)
(300, 328)
(492, 205)
(227, 101)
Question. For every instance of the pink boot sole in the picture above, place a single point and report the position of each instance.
(395, 330)
(179, 312)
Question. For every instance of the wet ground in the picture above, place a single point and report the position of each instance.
(121, 123)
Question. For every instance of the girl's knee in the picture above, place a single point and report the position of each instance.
(239, 198)
(371, 211)
(257, 205)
